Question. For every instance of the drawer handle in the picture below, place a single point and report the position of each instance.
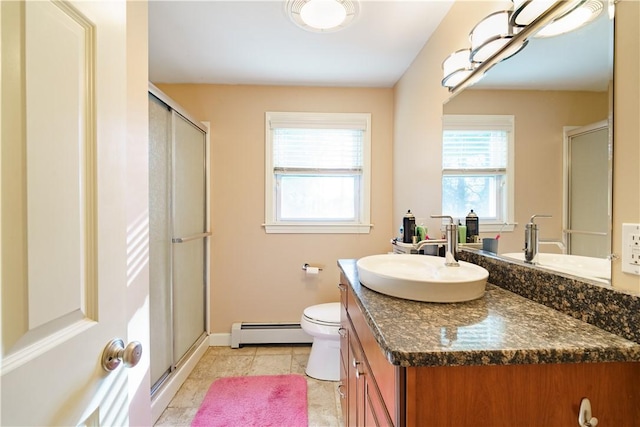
(355, 364)
(358, 374)
(342, 332)
(342, 287)
(341, 392)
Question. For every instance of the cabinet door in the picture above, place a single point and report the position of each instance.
(523, 395)
(375, 412)
(343, 387)
(355, 385)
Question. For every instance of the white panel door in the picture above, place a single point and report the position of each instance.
(64, 220)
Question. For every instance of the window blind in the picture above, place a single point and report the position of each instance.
(475, 149)
(323, 149)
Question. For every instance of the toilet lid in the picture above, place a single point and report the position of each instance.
(329, 312)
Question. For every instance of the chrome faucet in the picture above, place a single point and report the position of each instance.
(531, 240)
(430, 242)
(451, 229)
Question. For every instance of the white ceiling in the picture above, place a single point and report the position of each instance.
(254, 42)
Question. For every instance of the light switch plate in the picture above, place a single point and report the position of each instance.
(631, 248)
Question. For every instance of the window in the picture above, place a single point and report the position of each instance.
(317, 172)
(477, 169)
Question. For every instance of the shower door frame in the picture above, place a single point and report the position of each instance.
(569, 133)
(166, 387)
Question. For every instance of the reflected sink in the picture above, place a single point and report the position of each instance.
(422, 278)
(582, 266)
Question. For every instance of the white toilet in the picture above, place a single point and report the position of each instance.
(322, 322)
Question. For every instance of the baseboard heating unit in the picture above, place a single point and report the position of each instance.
(268, 333)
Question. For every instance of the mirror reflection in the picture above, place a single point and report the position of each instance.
(558, 90)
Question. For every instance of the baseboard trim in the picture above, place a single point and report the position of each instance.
(220, 340)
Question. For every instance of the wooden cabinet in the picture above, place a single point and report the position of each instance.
(362, 401)
(377, 393)
(523, 395)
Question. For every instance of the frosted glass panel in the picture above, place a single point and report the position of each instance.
(188, 220)
(189, 190)
(177, 210)
(189, 287)
(159, 238)
(589, 193)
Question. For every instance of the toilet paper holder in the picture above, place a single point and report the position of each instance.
(306, 265)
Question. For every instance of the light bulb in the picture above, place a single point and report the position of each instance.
(323, 14)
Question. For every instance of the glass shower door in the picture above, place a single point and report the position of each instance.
(589, 180)
(189, 234)
(177, 230)
(160, 303)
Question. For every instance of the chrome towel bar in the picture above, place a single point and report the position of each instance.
(192, 237)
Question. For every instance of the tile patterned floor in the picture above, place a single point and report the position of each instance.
(322, 396)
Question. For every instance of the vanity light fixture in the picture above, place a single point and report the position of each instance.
(456, 67)
(322, 16)
(527, 11)
(505, 41)
(580, 16)
(491, 35)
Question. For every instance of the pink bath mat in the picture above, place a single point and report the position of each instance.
(255, 401)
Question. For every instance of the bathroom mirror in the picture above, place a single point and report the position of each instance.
(553, 86)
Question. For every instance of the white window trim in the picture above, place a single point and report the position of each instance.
(318, 120)
(490, 122)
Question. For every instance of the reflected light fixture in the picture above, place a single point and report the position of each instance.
(491, 34)
(322, 16)
(456, 67)
(502, 34)
(582, 15)
(527, 11)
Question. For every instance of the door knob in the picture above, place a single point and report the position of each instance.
(115, 352)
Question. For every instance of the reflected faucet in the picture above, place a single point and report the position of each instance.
(451, 229)
(531, 240)
(559, 243)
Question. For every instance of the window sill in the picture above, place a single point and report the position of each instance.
(317, 228)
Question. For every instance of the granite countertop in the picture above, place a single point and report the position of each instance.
(501, 328)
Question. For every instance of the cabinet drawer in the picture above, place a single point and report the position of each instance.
(385, 375)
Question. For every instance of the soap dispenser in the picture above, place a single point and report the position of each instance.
(409, 227)
(472, 227)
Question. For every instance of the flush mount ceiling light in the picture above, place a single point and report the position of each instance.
(456, 67)
(322, 15)
(586, 12)
(490, 35)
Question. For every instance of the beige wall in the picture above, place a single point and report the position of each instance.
(539, 118)
(258, 277)
(418, 106)
(419, 96)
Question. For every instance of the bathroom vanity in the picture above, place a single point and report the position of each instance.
(501, 360)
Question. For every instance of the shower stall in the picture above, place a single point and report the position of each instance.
(178, 229)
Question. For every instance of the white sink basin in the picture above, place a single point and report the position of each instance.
(576, 265)
(422, 278)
